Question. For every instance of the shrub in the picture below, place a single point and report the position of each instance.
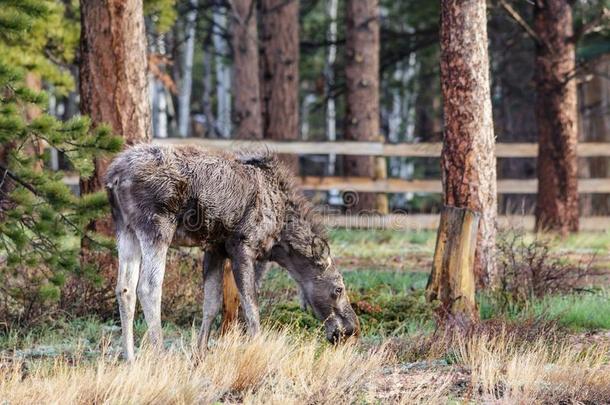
(529, 270)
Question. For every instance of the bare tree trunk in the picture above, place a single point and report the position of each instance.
(247, 119)
(468, 159)
(223, 75)
(280, 72)
(556, 113)
(594, 126)
(206, 93)
(159, 95)
(362, 98)
(452, 280)
(113, 76)
(186, 85)
(332, 7)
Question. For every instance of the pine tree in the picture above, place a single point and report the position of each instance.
(41, 219)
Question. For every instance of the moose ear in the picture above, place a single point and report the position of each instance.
(319, 247)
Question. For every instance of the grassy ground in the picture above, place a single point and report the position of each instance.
(550, 350)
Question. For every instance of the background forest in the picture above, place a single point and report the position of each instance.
(201, 51)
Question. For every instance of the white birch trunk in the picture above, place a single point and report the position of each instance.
(308, 101)
(223, 76)
(331, 112)
(158, 97)
(334, 196)
(186, 85)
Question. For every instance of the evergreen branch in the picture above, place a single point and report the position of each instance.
(34, 191)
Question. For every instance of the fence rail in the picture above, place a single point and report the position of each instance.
(430, 221)
(503, 150)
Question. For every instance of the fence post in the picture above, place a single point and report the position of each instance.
(381, 173)
(452, 278)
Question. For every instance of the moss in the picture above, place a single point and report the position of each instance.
(290, 313)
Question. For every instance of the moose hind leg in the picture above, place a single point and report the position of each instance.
(212, 294)
(127, 281)
(150, 286)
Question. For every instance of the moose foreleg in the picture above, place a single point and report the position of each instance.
(245, 278)
(212, 295)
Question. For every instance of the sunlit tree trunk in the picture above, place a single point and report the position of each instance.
(186, 85)
(468, 159)
(113, 76)
(556, 114)
(247, 119)
(362, 97)
(280, 72)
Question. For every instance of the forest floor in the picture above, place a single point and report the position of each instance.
(550, 349)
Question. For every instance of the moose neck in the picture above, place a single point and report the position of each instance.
(296, 250)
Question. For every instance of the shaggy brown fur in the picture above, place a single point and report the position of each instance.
(243, 206)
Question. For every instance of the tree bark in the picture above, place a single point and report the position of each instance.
(452, 280)
(362, 96)
(556, 114)
(113, 77)
(468, 161)
(247, 119)
(280, 72)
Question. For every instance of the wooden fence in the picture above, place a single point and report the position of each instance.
(394, 185)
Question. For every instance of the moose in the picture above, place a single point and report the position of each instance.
(243, 206)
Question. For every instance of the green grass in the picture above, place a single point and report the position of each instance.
(387, 302)
(577, 311)
(376, 244)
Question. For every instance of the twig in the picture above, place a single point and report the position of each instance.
(520, 20)
(592, 26)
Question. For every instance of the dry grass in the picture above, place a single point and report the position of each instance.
(489, 363)
(274, 367)
(504, 370)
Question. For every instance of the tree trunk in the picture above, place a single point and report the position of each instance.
(113, 77)
(280, 72)
(557, 207)
(206, 92)
(159, 96)
(223, 75)
(362, 97)
(247, 119)
(452, 280)
(468, 161)
(594, 126)
(186, 84)
(332, 8)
